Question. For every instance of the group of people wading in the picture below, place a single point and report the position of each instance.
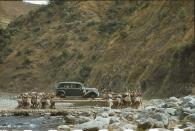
(35, 100)
(128, 99)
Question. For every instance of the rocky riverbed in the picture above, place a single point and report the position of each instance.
(164, 114)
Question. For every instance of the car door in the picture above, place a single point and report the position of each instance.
(77, 90)
(68, 89)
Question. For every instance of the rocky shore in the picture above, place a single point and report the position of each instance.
(167, 114)
(163, 114)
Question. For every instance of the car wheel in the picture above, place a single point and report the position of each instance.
(61, 95)
(92, 96)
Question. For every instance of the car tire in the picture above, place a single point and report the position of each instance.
(93, 96)
(61, 95)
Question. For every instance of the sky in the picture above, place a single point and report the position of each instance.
(40, 2)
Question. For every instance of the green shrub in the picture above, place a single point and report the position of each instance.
(111, 26)
(83, 37)
(26, 61)
(27, 51)
(61, 40)
(80, 56)
(5, 37)
(123, 34)
(91, 23)
(182, 14)
(85, 71)
(65, 54)
(1, 59)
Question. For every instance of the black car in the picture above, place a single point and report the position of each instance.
(77, 89)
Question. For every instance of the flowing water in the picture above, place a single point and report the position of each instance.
(20, 123)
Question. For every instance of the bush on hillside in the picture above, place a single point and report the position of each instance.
(26, 61)
(182, 14)
(83, 37)
(65, 54)
(110, 27)
(85, 71)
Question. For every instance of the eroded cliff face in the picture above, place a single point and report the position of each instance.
(117, 44)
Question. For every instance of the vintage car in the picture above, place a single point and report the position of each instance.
(76, 89)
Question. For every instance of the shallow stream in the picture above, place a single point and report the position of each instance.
(20, 123)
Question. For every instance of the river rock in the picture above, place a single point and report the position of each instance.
(94, 125)
(187, 98)
(144, 124)
(187, 126)
(191, 104)
(104, 109)
(157, 102)
(188, 110)
(104, 115)
(158, 124)
(162, 117)
(115, 127)
(131, 117)
(82, 119)
(159, 129)
(171, 111)
(173, 120)
(63, 128)
(190, 118)
(150, 108)
(70, 119)
(128, 126)
(114, 119)
(172, 102)
(87, 114)
(120, 126)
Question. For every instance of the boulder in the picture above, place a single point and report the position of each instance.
(70, 119)
(150, 108)
(172, 102)
(104, 115)
(87, 114)
(122, 126)
(131, 117)
(63, 128)
(187, 126)
(171, 111)
(188, 110)
(191, 104)
(173, 120)
(94, 125)
(157, 102)
(159, 129)
(164, 118)
(82, 119)
(115, 127)
(187, 98)
(114, 120)
(128, 126)
(190, 118)
(158, 124)
(144, 124)
(104, 109)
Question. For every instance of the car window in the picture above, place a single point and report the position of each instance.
(76, 86)
(61, 85)
(68, 86)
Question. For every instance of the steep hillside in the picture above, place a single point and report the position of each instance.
(109, 44)
(12, 9)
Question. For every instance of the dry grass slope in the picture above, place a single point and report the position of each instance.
(117, 44)
(9, 10)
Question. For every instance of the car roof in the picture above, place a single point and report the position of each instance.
(70, 82)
